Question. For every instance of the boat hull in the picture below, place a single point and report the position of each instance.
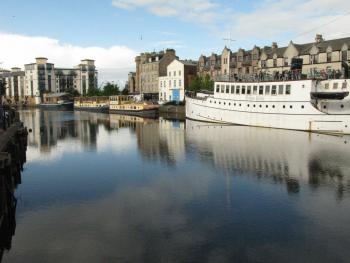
(313, 120)
(93, 109)
(60, 106)
(151, 113)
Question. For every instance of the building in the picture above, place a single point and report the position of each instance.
(149, 67)
(328, 56)
(42, 77)
(131, 82)
(209, 65)
(180, 73)
(14, 80)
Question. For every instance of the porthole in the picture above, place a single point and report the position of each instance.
(260, 105)
(267, 106)
(342, 106)
(284, 106)
(324, 106)
(224, 103)
(254, 105)
(219, 102)
(234, 104)
(240, 105)
(210, 101)
(248, 105)
(302, 106)
(291, 106)
(215, 102)
(229, 104)
(273, 106)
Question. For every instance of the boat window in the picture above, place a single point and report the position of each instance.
(217, 88)
(280, 89)
(288, 89)
(255, 89)
(237, 89)
(249, 90)
(335, 85)
(267, 90)
(243, 89)
(326, 86)
(227, 89)
(222, 88)
(273, 90)
(261, 90)
(232, 89)
(343, 85)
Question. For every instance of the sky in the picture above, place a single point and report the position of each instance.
(113, 32)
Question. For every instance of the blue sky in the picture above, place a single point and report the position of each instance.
(110, 30)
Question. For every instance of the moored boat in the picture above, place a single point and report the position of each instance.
(124, 104)
(62, 101)
(94, 104)
(309, 105)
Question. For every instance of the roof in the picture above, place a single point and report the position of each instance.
(189, 62)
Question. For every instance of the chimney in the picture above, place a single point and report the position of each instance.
(274, 45)
(318, 38)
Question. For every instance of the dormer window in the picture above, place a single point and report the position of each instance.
(314, 59)
(329, 56)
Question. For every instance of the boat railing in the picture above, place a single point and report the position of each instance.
(287, 75)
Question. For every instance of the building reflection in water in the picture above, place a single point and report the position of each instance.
(282, 156)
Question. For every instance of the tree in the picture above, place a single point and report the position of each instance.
(73, 92)
(208, 83)
(196, 84)
(125, 91)
(93, 91)
(110, 89)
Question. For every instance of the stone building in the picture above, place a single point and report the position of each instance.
(321, 55)
(180, 74)
(209, 65)
(131, 82)
(149, 67)
(42, 77)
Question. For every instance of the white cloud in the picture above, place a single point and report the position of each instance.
(113, 63)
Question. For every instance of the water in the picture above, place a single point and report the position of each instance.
(100, 188)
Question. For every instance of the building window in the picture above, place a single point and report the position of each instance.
(169, 73)
(174, 82)
(249, 90)
(261, 90)
(288, 90)
(169, 83)
(329, 56)
(232, 89)
(344, 85)
(280, 89)
(179, 82)
(314, 59)
(267, 90)
(263, 63)
(274, 62)
(179, 72)
(161, 84)
(285, 62)
(326, 86)
(344, 55)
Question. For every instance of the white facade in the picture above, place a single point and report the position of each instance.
(172, 86)
(283, 105)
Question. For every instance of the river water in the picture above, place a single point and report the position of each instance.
(110, 188)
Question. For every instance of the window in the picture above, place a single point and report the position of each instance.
(217, 88)
(232, 89)
(179, 82)
(280, 89)
(326, 86)
(274, 62)
(329, 56)
(335, 85)
(285, 62)
(238, 90)
(267, 90)
(169, 83)
(161, 84)
(255, 89)
(263, 63)
(227, 89)
(344, 55)
(174, 82)
(314, 59)
(274, 90)
(174, 73)
(179, 72)
(243, 89)
(288, 89)
(343, 86)
(169, 73)
(249, 90)
(222, 88)
(261, 90)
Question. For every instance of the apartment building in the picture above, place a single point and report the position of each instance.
(149, 67)
(180, 73)
(42, 77)
(14, 80)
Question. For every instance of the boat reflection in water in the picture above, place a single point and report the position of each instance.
(279, 155)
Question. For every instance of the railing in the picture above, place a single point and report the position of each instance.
(284, 76)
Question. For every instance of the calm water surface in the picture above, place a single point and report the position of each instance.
(100, 188)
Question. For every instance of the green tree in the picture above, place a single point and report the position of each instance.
(125, 91)
(93, 91)
(208, 83)
(196, 84)
(110, 89)
(73, 92)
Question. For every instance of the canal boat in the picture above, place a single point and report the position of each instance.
(309, 105)
(94, 104)
(55, 101)
(126, 105)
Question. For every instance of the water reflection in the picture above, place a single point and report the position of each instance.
(128, 189)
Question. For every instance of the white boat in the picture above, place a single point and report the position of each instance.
(308, 105)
